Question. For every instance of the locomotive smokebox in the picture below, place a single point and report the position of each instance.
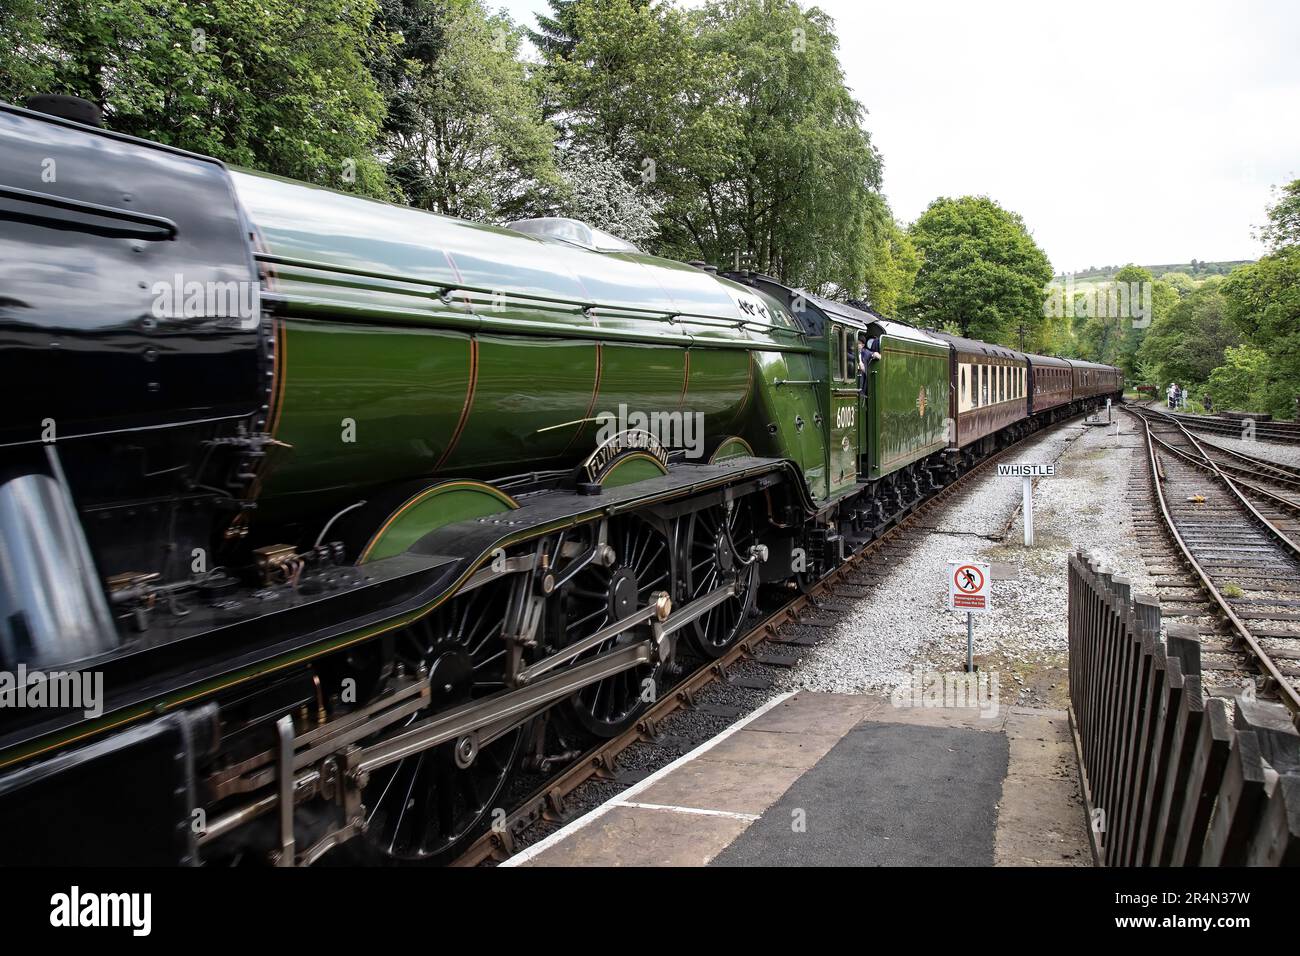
(131, 346)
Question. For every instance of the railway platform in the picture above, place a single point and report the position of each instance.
(813, 779)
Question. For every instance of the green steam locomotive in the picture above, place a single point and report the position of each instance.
(320, 516)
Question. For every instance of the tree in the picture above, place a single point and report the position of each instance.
(1263, 301)
(1241, 381)
(271, 84)
(1180, 282)
(1283, 226)
(891, 261)
(468, 138)
(1188, 343)
(556, 34)
(982, 270)
(24, 69)
(1128, 331)
(556, 38)
(738, 115)
(800, 197)
(598, 193)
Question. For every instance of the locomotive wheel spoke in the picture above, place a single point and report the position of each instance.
(426, 808)
(596, 597)
(716, 544)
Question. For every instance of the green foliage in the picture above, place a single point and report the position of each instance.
(1241, 381)
(271, 84)
(1283, 226)
(738, 114)
(982, 270)
(1188, 343)
(891, 262)
(556, 33)
(1263, 302)
(1180, 282)
(467, 138)
(25, 68)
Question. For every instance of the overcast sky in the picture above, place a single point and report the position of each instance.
(1135, 131)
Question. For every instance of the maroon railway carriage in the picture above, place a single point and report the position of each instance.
(1052, 383)
(989, 384)
(1096, 381)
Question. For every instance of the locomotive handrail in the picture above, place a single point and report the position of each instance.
(587, 307)
(477, 322)
(114, 221)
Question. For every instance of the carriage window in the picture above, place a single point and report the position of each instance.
(850, 356)
(984, 384)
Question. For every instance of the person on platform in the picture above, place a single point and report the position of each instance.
(1208, 401)
(1172, 395)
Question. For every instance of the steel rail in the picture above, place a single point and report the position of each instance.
(1271, 497)
(1208, 464)
(1283, 432)
(1285, 690)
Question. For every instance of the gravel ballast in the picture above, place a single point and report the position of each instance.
(904, 623)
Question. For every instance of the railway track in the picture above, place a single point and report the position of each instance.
(814, 608)
(1286, 432)
(1223, 543)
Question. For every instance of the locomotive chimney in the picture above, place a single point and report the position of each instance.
(67, 107)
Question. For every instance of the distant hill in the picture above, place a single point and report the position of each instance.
(1196, 269)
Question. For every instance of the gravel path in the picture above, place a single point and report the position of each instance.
(905, 623)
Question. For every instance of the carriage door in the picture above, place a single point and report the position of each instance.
(845, 409)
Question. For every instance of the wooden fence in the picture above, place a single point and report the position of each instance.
(1171, 777)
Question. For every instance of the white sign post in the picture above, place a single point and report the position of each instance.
(969, 590)
(1028, 473)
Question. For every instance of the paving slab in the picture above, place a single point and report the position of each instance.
(848, 780)
(888, 794)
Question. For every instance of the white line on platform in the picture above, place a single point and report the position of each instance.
(729, 814)
(569, 829)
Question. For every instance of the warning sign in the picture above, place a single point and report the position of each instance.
(968, 586)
